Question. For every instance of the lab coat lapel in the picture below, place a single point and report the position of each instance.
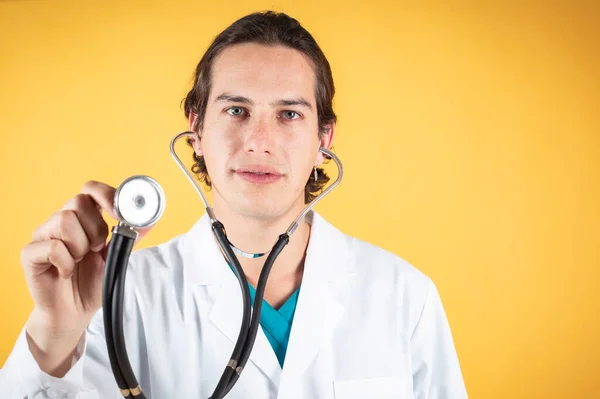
(323, 295)
(226, 315)
(207, 267)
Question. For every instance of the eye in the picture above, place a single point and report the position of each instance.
(290, 115)
(236, 111)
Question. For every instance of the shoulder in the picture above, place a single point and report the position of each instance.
(380, 267)
(384, 278)
(161, 256)
(371, 263)
(158, 267)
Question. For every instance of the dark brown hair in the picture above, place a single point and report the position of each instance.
(267, 28)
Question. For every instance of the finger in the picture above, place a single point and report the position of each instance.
(38, 257)
(102, 194)
(89, 214)
(65, 226)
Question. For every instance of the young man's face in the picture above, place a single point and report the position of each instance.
(260, 134)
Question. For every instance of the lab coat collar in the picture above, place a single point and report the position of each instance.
(327, 268)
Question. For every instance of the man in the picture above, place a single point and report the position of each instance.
(343, 319)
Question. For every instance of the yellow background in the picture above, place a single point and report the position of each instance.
(470, 136)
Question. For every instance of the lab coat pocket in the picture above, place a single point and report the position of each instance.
(380, 388)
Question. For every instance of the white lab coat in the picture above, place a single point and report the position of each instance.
(367, 325)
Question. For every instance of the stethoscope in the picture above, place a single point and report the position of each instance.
(139, 202)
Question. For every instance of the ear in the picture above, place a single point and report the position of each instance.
(195, 139)
(326, 142)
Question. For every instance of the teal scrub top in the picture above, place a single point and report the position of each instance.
(276, 324)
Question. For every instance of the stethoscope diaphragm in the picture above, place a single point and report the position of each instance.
(139, 201)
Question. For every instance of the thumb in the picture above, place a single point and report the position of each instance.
(103, 195)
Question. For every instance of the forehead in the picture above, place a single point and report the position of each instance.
(255, 71)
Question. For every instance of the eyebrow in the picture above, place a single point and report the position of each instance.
(244, 100)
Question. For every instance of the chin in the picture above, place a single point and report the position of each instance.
(264, 202)
(265, 209)
(259, 210)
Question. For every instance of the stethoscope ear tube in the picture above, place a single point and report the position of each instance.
(113, 292)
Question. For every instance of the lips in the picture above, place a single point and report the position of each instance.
(258, 170)
(258, 174)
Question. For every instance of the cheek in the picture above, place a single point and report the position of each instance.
(304, 157)
(311, 148)
(218, 149)
(213, 152)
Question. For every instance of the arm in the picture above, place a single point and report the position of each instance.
(436, 370)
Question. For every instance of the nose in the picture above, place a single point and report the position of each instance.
(260, 136)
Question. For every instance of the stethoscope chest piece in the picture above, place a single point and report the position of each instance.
(139, 201)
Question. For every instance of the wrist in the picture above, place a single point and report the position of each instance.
(51, 334)
(52, 345)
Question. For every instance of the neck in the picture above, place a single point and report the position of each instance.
(255, 235)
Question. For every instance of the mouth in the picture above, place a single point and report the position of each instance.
(258, 174)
